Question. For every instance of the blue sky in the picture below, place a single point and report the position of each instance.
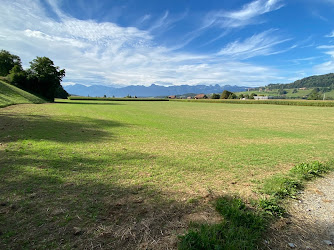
(174, 42)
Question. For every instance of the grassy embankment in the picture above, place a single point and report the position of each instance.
(10, 95)
(135, 173)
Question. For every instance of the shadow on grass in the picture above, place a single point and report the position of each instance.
(44, 200)
(87, 102)
(69, 129)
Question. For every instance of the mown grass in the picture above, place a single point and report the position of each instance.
(318, 103)
(123, 171)
(114, 99)
(10, 95)
(243, 226)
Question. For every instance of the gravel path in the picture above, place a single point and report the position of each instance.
(310, 224)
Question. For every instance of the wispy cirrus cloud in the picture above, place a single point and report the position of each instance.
(261, 44)
(331, 34)
(327, 66)
(245, 16)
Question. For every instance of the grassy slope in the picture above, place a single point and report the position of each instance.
(99, 165)
(10, 95)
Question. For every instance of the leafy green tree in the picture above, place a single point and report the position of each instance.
(232, 96)
(226, 94)
(44, 77)
(241, 96)
(7, 62)
(215, 96)
(252, 95)
(314, 95)
(282, 91)
(294, 91)
(17, 76)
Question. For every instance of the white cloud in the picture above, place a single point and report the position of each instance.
(245, 16)
(105, 53)
(330, 35)
(257, 45)
(327, 66)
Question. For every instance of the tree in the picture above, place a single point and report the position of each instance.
(7, 62)
(17, 76)
(44, 78)
(314, 95)
(252, 95)
(294, 91)
(215, 96)
(226, 94)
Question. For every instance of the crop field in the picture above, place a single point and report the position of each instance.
(117, 175)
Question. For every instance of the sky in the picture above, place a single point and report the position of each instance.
(173, 42)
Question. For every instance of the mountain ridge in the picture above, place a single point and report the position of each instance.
(150, 91)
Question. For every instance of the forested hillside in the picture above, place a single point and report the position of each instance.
(316, 81)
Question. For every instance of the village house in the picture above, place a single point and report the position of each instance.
(200, 96)
(172, 97)
(261, 97)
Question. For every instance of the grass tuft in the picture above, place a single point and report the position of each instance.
(287, 186)
(241, 229)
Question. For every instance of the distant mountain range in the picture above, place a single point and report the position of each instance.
(150, 91)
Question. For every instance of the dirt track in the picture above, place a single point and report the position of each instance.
(310, 224)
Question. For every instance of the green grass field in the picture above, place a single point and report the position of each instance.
(10, 95)
(135, 173)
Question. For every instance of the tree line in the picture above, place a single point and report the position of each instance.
(42, 77)
(230, 95)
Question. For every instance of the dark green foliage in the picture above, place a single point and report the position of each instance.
(7, 62)
(271, 206)
(252, 95)
(228, 95)
(215, 96)
(17, 76)
(44, 78)
(282, 92)
(241, 229)
(60, 92)
(294, 91)
(314, 95)
(308, 82)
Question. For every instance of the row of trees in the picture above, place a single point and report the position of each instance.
(42, 78)
(230, 95)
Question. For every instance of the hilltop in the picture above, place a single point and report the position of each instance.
(316, 81)
(10, 95)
